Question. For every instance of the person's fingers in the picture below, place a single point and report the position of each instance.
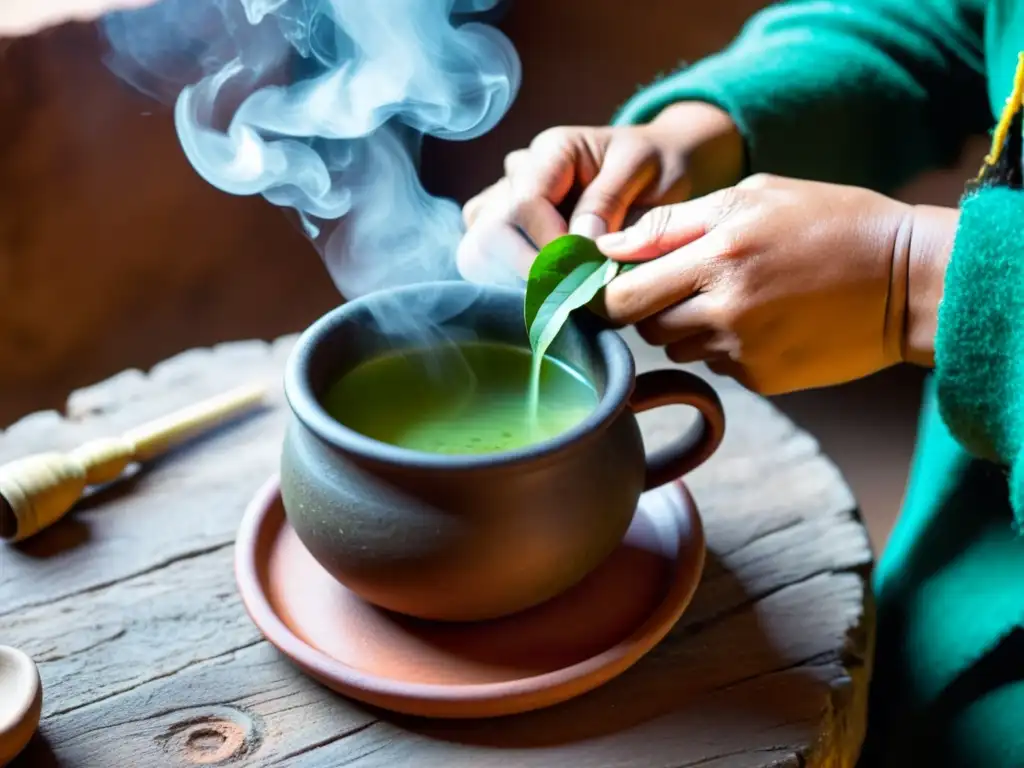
(498, 193)
(628, 169)
(692, 349)
(653, 286)
(501, 245)
(693, 317)
(557, 158)
(537, 220)
(667, 228)
(516, 161)
(493, 252)
(486, 200)
(726, 366)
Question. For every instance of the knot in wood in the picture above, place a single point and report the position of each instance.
(211, 740)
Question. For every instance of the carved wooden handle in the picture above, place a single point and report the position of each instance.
(37, 491)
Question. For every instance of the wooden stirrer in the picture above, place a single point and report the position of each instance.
(37, 491)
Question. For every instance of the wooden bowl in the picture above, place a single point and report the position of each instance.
(21, 702)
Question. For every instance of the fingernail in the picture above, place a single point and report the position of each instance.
(588, 225)
(613, 241)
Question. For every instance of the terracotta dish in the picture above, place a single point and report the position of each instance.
(539, 657)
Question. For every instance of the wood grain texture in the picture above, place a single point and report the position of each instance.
(147, 657)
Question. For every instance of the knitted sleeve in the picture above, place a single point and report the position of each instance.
(865, 92)
(979, 344)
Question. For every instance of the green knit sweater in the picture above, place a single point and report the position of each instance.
(872, 92)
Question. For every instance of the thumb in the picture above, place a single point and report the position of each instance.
(628, 169)
(660, 231)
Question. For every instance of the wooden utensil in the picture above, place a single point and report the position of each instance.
(21, 702)
(37, 491)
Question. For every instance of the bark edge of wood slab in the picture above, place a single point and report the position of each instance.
(570, 644)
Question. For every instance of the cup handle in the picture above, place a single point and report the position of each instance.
(654, 389)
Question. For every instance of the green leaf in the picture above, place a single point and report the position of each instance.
(581, 285)
(566, 275)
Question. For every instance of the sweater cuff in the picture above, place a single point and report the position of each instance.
(979, 343)
(788, 114)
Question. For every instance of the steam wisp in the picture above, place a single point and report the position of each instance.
(321, 106)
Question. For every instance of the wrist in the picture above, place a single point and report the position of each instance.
(921, 253)
(708, 138)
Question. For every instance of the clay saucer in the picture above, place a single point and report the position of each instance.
(536, 658)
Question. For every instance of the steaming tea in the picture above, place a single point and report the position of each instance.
(469, 398)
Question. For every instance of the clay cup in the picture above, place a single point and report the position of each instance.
(466, 538)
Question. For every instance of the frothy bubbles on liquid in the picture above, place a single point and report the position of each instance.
(389, 399)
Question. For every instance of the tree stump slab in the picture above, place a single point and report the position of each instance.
(147, 657)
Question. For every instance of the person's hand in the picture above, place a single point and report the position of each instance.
(26, 17)
(689, 149)
(783, 284)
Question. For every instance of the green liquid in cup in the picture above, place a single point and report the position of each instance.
(471, 398)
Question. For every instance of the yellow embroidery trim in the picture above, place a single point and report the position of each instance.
(1013, 103)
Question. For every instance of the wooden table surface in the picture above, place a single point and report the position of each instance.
(148, 659)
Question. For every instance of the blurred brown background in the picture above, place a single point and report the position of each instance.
(115, 254)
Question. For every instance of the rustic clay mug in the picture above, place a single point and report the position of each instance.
(479, 536)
